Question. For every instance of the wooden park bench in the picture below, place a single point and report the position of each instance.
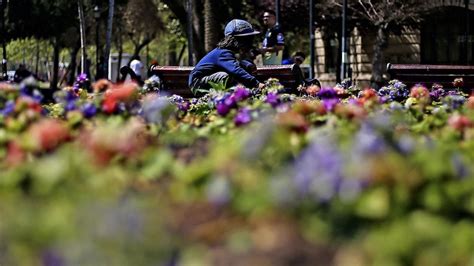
(412, 74)
(175, 78)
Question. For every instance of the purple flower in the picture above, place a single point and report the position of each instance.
(367, 141)
(176, 98)
(70, 96)
(272, 99)
(156, 110)
(327, 93)
(81, 82)
(70, 105)
(9, 108)
(184, 106)
(454, 101)
(243, 117)
(461, 170)
(222, 109)
(89, 110)
(51, 258)
(82, 77)
(319, 169)
(406, 144)
(241, 93)
(437, 94)
(396, 106)
(329, 104)
(230, 101)
(218, 191)
(399, 85)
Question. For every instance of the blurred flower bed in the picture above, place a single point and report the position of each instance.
(125, 175)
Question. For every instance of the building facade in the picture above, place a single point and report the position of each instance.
(446, 36)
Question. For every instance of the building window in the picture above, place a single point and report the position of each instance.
(331, 49)
(444, 37)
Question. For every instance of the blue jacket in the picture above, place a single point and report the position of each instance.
(222, 60)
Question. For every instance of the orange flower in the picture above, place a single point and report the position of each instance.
(309, 107)
(350, 111)
(470, 102)
(101, 85)
(293, 120)
(123, 92)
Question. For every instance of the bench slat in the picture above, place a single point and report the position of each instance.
(175, 78)
(411, 74)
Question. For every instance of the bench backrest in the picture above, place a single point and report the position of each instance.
(412, 74)
(175, 78)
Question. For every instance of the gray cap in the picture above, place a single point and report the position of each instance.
(239, 27)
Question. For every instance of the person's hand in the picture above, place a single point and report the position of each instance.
(261, 86)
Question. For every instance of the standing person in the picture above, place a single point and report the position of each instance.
(221, 64)
(274, 41)
(137, 66)
(21, 73)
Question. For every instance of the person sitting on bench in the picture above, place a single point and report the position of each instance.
(221, 64)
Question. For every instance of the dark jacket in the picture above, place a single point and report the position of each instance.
(273, 37)
(222, 60)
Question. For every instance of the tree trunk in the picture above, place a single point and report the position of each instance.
(82, 30)
(181, 53)
(37, 59)
(210, 25)
(179, 10)
(72, 65)
(171, 58)
(108, 37)
(56, 50)
(140, 46)
(3, 6)
(378, 61)
(120, 53)
(198, 28)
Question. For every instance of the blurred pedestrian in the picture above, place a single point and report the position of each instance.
(137, 66)
(21, 73)
(274, 41)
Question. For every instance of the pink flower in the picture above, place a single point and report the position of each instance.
(459, 122)
(419, 92)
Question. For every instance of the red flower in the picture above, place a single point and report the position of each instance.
(458, 82)
(15, 154)
(368, 97)
(109, 105)
(368, 94)
(23, 103)
(47, 134)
